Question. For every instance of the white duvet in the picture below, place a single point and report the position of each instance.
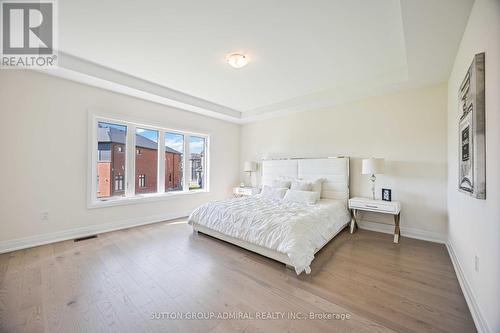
(295, 229)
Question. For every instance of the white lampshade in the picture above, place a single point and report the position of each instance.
(250, 166)
(372, 166)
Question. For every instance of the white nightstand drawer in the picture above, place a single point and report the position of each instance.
(375, 205)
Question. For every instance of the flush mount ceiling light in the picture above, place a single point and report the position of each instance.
(237, 60)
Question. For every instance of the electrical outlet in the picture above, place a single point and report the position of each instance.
(44, 216)
(476, 263)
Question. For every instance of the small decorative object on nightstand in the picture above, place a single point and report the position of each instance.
(245, 191)
(386, 207)
(386, 194)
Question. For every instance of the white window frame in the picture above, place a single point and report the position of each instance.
(130, 152)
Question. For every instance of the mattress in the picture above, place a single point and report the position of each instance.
(294, 229)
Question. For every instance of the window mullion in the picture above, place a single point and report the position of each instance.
(94, 157)
(206, 167)
(187, 167)
(130, 161)
(161, 161)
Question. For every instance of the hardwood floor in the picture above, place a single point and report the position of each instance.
(116, 282)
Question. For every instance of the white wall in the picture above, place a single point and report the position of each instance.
(43, 140)
(407, 128)
(474, 225)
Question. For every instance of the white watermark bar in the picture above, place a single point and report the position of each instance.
(241, 315)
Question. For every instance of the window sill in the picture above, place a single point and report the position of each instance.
(142, 198)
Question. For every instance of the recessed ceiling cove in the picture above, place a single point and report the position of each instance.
(303, 53)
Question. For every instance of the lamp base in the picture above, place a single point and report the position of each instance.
(249, 178)
(372, 179)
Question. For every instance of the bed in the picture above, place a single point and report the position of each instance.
(289, 232)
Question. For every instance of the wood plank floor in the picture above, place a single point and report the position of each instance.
(118, 281)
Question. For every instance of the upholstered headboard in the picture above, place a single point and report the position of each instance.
(335, 170)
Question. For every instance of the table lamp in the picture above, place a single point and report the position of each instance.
(250, 167)
(373, 166)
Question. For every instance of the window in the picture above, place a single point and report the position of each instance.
(174, 157)
(128, 162)
(119, 183)
(142, 180)
(146, 160)
(110, 168)
(104, 154)
(196, 162)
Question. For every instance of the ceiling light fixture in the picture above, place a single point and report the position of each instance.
(237, 60)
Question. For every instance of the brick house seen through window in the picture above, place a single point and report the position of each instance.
(111, 140)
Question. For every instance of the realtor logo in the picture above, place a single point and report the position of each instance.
(28, 34)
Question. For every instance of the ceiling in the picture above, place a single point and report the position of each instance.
(304, 54)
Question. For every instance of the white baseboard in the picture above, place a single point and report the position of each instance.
(31, 241)
(479, 321)
(405, 231)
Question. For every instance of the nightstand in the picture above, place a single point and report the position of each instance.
(379, 206)
(245, 191)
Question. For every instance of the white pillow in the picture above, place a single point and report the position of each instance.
(307, 197)
(317, 185)
(273, 192)
(301, 185)
(282, 182)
